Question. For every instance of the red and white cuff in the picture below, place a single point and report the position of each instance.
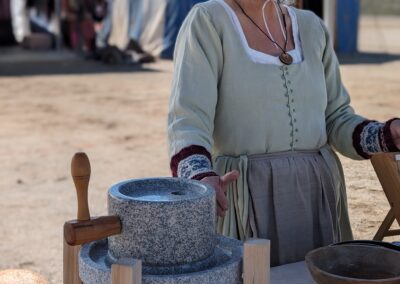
(193, 162)
(371, 137)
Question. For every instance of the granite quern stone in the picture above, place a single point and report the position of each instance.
(169, 224)
(165, 221)
(224, 266)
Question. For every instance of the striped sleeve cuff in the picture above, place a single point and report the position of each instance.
(193, 162)
(371, 137)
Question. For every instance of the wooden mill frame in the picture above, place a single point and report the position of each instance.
(85, 229)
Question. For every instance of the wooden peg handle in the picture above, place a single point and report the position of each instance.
(80, 171)
(81, 232)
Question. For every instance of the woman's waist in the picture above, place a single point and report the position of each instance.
(284, 154)
(273, 154)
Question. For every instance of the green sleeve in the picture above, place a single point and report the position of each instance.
(341, 120)
(198, 62)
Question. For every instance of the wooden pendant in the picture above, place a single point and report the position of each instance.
(286, 58)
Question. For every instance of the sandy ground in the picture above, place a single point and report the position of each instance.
(119, 119)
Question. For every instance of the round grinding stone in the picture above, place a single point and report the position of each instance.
(165, 221)
(223, 266)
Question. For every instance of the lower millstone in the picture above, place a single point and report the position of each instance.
(223, 266)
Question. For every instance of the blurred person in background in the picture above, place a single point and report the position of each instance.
(114, 41)
(6, 31)
(81, 19)
(34, 23)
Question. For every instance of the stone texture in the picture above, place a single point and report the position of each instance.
(223, 267)
(165, 221)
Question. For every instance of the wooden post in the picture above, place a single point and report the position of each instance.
(70, 264)
(387, 168)
(127, 273)
(80, 170)
(256, 261)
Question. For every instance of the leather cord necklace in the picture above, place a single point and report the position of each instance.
(285, 57)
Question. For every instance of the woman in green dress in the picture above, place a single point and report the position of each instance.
(257, 110)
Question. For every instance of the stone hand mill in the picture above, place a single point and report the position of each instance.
(159, 231)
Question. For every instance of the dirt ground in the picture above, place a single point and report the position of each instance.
(119, 119)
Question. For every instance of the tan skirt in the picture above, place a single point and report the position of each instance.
(292, 203)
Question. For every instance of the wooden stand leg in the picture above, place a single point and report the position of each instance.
(385, 227)
(127, 273)
(256, 261)
(71, 265)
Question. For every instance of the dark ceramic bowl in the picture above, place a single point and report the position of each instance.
(354, 263)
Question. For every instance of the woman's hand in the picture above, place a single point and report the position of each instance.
(395, 130)
(220, 185)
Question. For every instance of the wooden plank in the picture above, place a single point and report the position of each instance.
(384, 228)
(127, 273)
(387, 170)
(256, 261)
(392, 233)
(70, 264)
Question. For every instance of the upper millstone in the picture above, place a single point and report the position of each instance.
(165, 221)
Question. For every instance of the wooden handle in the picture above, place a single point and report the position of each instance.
(81, 232)
(80, 171)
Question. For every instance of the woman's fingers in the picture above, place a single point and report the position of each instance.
(224, 181)
(229, 177)
(222, 202)
(220, 211)
(220, 184)
(221, 198)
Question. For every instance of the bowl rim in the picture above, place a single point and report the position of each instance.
(309, 265)
(115, 193)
